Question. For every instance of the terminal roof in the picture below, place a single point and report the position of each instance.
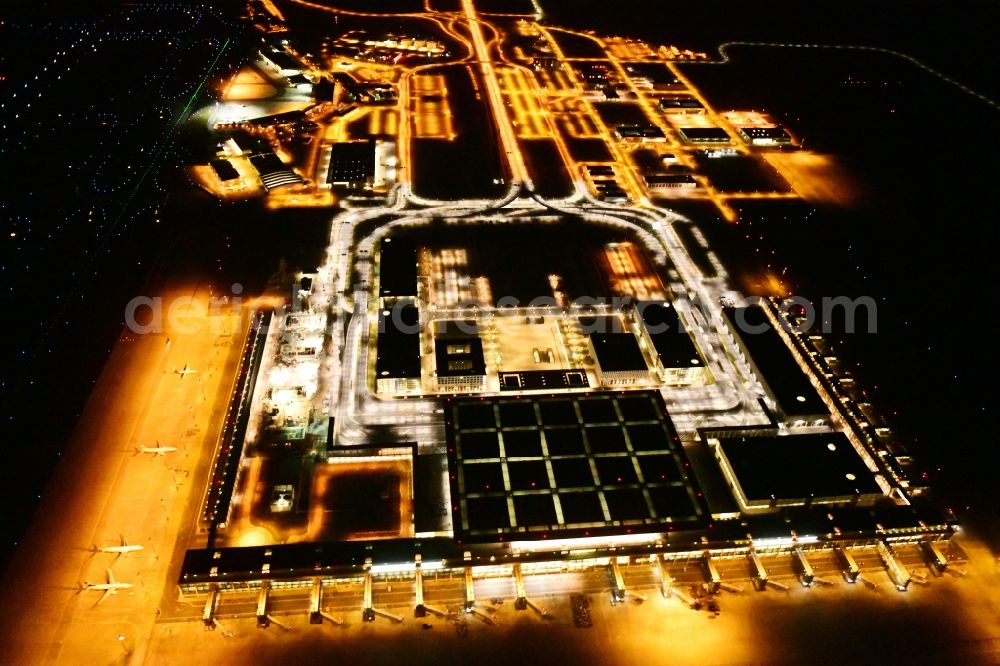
(459, 357)
(785, 379)
(617, 351)
(397, 267)
(671, 341)
(568, 465)
(398, 345)
(798, 466)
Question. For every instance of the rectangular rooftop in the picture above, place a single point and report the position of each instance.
(398, 346)
(615, 347)
(397, 267)
(459, 357)
(568, 465)
(774, 364)
(671, 341)
(704, 135)
(768, 471)
(352, 164)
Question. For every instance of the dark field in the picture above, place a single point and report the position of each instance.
(589, 150)
(741, 173)
(625, 113)
(547, 169)
(574, 46)
(471, 166)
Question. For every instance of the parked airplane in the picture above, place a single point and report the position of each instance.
(186, 370)
(155, 450)
(109, 588)
(122, 550)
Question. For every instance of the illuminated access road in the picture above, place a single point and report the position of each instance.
(519, 172)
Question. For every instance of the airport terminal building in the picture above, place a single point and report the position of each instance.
(570, 441)
(594, 479)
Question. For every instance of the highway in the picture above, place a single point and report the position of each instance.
(519, 172)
